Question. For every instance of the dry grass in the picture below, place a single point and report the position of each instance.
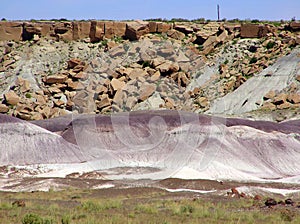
(91, 207)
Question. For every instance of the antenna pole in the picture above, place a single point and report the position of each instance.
(218, 9)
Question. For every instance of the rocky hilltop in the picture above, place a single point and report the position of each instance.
(49, 69)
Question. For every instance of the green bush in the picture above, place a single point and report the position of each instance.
(65, 220)
(32, 219)
(253, 60)
(28, 95)
(187, 209)
(270, 45)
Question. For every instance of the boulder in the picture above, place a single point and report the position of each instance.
(169, 103)
(11, 98)
(81, 30)
(184, 29)
(289, 201)
(59, 78)
(253, 30)
(11, 31)
(31, 29)
(163, 27)
(175, 34)
(7, 63)
(270, 95)
(168, 67)
(116, 84)
(284, 105)
(270, 202)
(295, 26)
(137, 72)
(3, 108)
(119, 97)
(97, 31)
(18, 203)
(257, 197)
(104, 102)
(155, 76)
(117, 51)
(201, 37)
(75, 85)
(294, 98)
(109, 30)
(119, 29)
(223, 36)
(64, 31)
(203, 102)
(131, 102)
(73, 62)
(298, 40)
(152, 27)
(280, 99)
(181, 78)
(146, 91)
(134, 30)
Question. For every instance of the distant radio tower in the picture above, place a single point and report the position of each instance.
(218, 9)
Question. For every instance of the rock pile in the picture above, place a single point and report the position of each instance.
(163, 68)
(289, 98)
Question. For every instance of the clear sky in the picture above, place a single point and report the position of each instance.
(146, 9)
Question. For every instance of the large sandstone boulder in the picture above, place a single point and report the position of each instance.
(253, 31)
(175, 34)
(119, 29)
(97, 31)
(295, 26)
(163, 27)
(109, 30)
(146, 91)
(31, 29)
(294, 98)
(59, 78)
(134, 30)
(184, 29)
(152, 27)
(81, 30)
(64, 31)
(3, 108)
(11, 31)
(11, 98)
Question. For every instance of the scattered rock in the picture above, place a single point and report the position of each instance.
(134, 30)
(289, 201)
(59, 78)
(3, 108)
(146, 91)
(11, 98)
(19, 203)
(270, 202)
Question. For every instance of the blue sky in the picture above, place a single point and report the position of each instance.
(145, 9)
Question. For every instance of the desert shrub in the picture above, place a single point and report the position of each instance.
(146, 64)
(200, 47)
(28, 95)
(253, 60)
(287, 215)
(32, 219)
(270, 45)
(255, 21)
(65, 220)
(187, 209)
